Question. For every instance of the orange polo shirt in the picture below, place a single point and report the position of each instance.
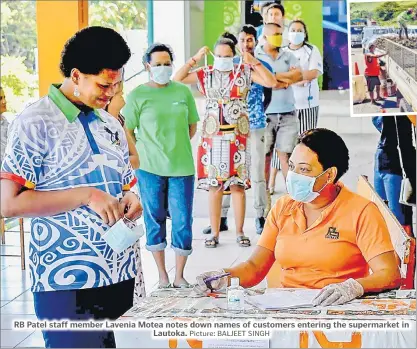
(338, 246)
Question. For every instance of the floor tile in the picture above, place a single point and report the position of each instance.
(10, 338)
(7, 321)
(18, 308)
(35, 340)
(10, 293)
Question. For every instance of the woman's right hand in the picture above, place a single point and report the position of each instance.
(201, 53)
(105, 205)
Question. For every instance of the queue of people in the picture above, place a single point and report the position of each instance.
(74, 158)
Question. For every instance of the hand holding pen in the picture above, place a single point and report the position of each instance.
(212, 281)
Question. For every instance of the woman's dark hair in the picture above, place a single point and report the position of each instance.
(265, 4)
(279, 7)
(305, 29)
(157, 47)
(228, 42)
(248, 29)
(330, 148)
(228, 35)
(93, 49)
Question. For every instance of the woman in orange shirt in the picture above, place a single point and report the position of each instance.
(321, 234)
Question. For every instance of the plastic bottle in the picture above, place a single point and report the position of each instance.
(235, 296)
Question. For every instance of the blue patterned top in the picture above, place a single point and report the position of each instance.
(52, 146)
(257, 117)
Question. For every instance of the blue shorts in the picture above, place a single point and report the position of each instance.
(108, 302)
(160, 194)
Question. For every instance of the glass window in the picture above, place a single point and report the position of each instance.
(19, 73)
(130, 19)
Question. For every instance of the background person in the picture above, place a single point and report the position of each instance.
(163, 115)
(225, 130)
(306, 92)
(404, 18)
(53, 172)
(372, 72)
(347, 235)
(276, 14)
(263, 11)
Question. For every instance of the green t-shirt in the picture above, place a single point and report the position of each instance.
(161, 119)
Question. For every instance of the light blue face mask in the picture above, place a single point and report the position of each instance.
(300, 187)
(161, 74)
(123, 234)
(296, 38)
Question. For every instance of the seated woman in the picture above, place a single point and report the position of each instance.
(322, 234)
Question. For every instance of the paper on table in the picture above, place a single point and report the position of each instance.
(233, 343)
(284, 299)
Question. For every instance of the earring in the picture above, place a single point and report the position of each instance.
(76, 92)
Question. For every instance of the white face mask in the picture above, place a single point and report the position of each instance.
(223, 63)
(296, 38)
(161, 74)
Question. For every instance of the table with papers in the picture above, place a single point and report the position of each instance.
(394, 306)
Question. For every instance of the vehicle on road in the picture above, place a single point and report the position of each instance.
(371, 33)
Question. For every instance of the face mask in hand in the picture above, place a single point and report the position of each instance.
(123, 234)
(161, 74)
(223, 63)
(274, 40)
(300, 187)
(296, 38)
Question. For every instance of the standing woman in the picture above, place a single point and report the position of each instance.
(163, 116)
(67, 167)
(223, 152)
(306, 92)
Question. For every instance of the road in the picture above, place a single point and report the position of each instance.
(390, 103)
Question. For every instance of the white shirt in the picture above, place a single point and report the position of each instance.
(307, 94)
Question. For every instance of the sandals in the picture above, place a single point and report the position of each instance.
(184, 285)
(164, 286)
(243, 241)
(208, 243)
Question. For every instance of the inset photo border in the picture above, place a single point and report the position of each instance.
(380, 60)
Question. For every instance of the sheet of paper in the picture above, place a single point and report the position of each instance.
(284, 299)
(233, 343)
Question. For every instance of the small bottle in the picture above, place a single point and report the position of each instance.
(235, 296)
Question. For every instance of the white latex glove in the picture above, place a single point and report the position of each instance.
(336, 294)
(215, 284)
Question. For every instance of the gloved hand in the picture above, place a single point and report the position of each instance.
(336, 294)
(215, 284)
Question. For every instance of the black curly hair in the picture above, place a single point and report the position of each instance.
(93, 49)
(157, 47)
(330, 148)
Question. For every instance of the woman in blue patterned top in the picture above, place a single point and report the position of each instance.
(67, 166)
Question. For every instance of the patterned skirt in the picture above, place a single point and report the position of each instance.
(224, 160)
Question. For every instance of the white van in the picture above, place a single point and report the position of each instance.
(373, 32)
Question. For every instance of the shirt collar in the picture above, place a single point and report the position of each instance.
(70, 111)
(281, 52)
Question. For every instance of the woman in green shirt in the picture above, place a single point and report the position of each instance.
(162, 116)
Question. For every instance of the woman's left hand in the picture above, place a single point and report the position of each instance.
(133, 205)
(336, 294)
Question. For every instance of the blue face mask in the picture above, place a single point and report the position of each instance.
(300, 187)
(161, 74)
(123, 234)
(296, 38)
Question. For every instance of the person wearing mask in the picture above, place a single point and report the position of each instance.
(163, 117)
(114, 108)
(283, 126)
(276, 14)
(348, 252)
(67, 167)
(372, 72)
(263, 11)
(224, 152)
(306, 92)
(388, 168)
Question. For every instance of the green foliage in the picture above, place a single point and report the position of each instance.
(387, 11)
(19, 84)
(119, 15)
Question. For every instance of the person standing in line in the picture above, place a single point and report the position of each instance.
(276, 14)
(283, 125)
(372, 72)
(224, 151)
(67, 167)
(163, 116)
(306, 92)
(263, 10)
(388, 169)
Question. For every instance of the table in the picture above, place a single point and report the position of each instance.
(394, 306)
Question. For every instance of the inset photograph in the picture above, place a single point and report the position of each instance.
(383, 57)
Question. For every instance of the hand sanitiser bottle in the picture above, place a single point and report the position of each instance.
(235, 296)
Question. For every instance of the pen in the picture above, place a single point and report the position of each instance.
(210, 279)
